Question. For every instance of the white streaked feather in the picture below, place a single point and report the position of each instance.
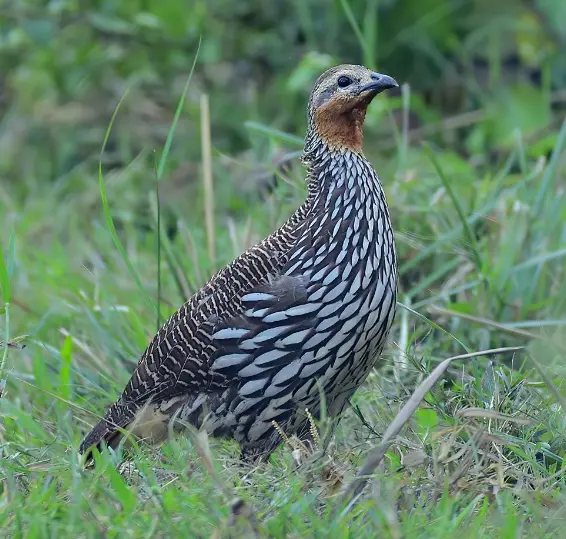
(329, 309)
(245, 405)
(268, 334)
(286, 373)
(258, 429)
(319, 274)
(356, 283)
(309, 370)
(332, 276)
(272, 411)
(269, 356)
(355, 257)
(251, 370)
(249, 388)
(333, 343)
(317, 295)
(316, 339)
(351, 309)
(350, 324)
(292, 269)
(344, 352)
(327, 323)
(365, 246)
(278, 316)
(258, 296)
(301, 310)
(256, 313)
(249, 344)
(337, 227)
(230, 333)
(341, 256)
(294, 338)
(229, 360)
(320, 258)
(335, 292)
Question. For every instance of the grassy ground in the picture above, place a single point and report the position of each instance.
(482, 247)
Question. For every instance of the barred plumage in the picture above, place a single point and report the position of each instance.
(305, 311)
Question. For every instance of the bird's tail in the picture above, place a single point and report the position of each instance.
(107, 432)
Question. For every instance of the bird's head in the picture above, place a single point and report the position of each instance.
(338, 103)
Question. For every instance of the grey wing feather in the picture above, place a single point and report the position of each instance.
(177, 360)
(264, 349)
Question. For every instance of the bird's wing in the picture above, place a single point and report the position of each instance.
(288, 331)
(178, 358)
(269, 318)
(222, 347)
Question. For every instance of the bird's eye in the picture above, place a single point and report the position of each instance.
(344, 81)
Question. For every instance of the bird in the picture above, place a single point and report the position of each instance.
(294, 325)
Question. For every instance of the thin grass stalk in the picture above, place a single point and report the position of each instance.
(158, 210)
(6, 268)
(207, 175)
(5, 346)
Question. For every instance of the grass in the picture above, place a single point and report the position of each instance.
(481, 255)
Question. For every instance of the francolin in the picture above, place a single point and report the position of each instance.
(297, 320)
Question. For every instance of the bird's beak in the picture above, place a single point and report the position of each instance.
(379, 83)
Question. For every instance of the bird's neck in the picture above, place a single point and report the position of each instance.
(332, 168)
(337, 126)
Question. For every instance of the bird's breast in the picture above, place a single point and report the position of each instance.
(321, 323)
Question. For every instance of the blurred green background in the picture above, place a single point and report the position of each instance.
(469, 150)
(65, 64)
(483, 83)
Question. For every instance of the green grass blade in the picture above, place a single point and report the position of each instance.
(6, 269)
(468, 231)
(540, 259)
(433, 276)
(456, 231)
(275, 133)
(11, 255)
(368, 54)
(65, 371)
(124, 494)
(159, 174)
(167, 249)
(435, 245)
(304, 15)
(108, 213)
(433, 325)
(178, 110)
(549, 172)
(371, 28)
